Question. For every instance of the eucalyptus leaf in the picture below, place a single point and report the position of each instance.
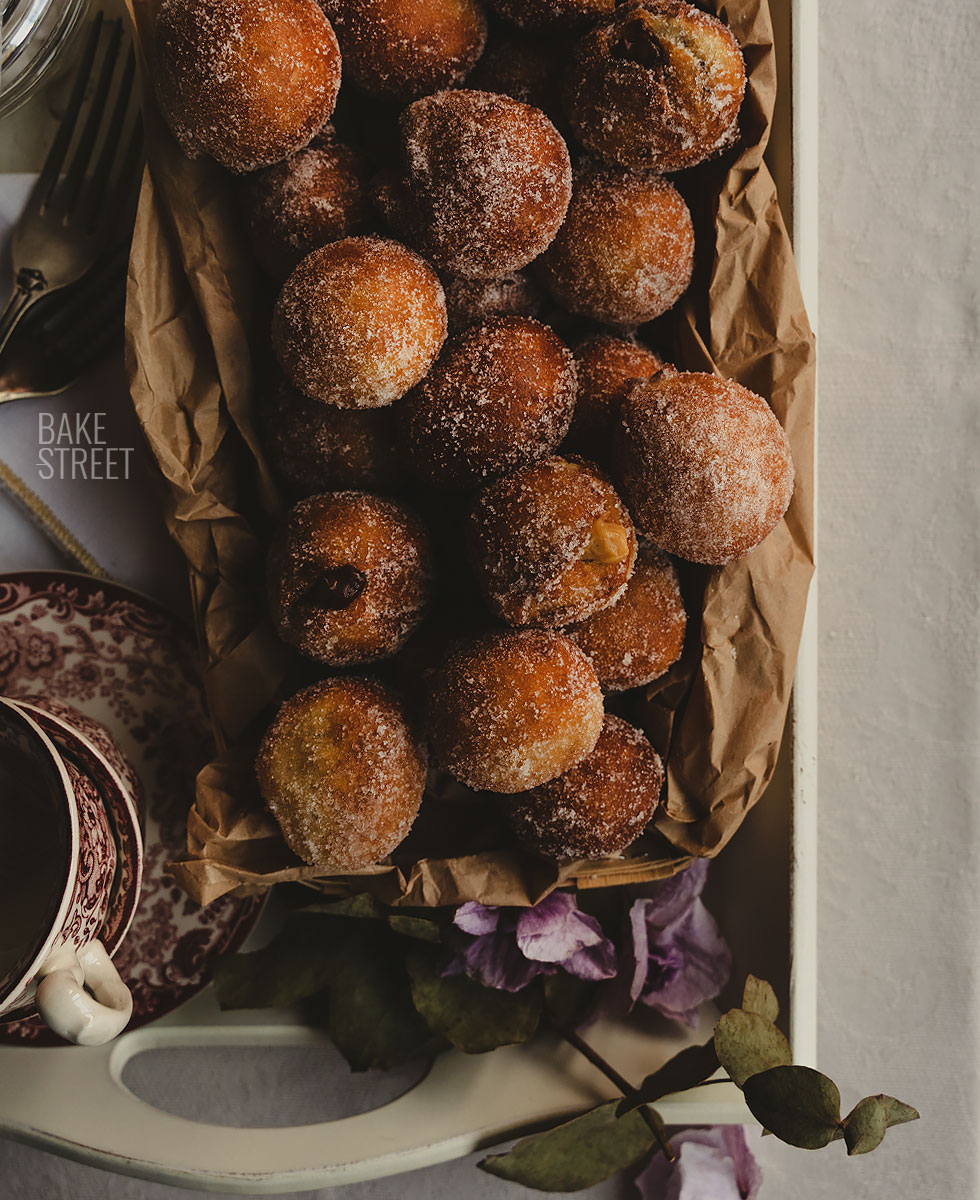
(758, 997)
(370, 1013)
(578, 1154)
(473, 1018)
(897, 1112)
(362, 906)
(568, 998)
(865, 1125)
(298, 962)
(415, 927)
(747, 1043)
(799, 1105)
(688, 1068)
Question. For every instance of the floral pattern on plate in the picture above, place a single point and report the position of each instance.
(130, 665)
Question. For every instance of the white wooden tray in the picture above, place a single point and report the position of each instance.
(73, 1101)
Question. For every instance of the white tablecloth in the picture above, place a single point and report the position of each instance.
(899, 628)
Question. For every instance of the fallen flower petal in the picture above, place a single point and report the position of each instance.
(477, 919)
(712, 1164)
(680, 966)
(508, 948)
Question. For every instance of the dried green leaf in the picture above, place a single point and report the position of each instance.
(370, 1014)
(298, 962)
(758, 997)
(897, 1112)
(576, 1155)
(747, 1043)
(865, 1125)
(415, 927)
(688, 1068)
(799, 1105)
(567, 998)
(474, 1018)
(362, 906)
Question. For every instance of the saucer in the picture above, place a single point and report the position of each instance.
(123, 660)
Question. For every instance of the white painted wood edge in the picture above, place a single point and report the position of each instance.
(803, 904)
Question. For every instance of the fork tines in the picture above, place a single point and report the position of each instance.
(97, 153)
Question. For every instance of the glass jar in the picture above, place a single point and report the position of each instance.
(33, 35)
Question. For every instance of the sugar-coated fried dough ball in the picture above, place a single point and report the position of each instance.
(551, 544)
(607, 368)
(626, 250)
(514, 710)
(524, 68)
(317, 195)
(553, 14)
(349, 577)
(404, 48)
(635, 640)
(659, 85)
(359, 322)
(512, 295)
(247, 81)
(706, 467)
(342, 773)
(487, 181)
(500, 396)
(317, 447)
(597, 808)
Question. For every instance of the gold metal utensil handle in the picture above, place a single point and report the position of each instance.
(42, 516)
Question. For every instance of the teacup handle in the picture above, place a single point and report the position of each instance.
(72, 1012)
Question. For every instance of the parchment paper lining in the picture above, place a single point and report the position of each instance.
(719, 714)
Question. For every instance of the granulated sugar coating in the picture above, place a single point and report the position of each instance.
(598, 807)
(512, 295)
(500, 396)
(246, 81)
(514, 710)
(607, 367)
(342, 773)
(553, 14)
(316, 447)
(489, 180)
(659, 85)
(635, 640)
(626, 250)
(551, 544)
(706, 467)
(359, 322)
(404, 48)
(315, 196)
(349, 577)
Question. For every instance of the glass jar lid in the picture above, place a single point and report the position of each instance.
(33, 35)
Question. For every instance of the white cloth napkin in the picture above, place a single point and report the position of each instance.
(116, 519)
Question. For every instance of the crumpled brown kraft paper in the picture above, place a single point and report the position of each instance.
(718, 714)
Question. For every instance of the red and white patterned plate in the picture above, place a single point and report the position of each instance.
(126, 662)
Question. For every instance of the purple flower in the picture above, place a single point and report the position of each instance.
(712, 1164)
(680, 957)
(507, 948)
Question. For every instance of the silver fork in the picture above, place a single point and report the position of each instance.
(68, 333)
(96, 158)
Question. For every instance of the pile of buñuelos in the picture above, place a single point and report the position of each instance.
(493, 475)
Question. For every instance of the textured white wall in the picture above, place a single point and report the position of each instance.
(899, 592)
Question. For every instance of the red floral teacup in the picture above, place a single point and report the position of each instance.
(58, 860)
(91, 747)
